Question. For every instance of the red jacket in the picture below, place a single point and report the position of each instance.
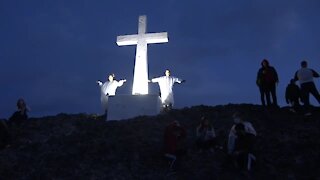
(173, 135)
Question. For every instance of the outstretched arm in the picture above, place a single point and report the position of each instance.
(120, 83)
(99, 83)
(153, 80)
(178, 80)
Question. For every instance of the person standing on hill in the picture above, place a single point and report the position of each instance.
(267, 79)
(305, 76)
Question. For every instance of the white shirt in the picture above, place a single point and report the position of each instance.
(305, 75)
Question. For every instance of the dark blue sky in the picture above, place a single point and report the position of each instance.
(52, 52)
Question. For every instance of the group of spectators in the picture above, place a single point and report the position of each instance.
(240, 145)
(267, 80)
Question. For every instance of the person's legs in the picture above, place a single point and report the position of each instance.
(296, 104)
(267, 92)
(305, 94)
(314, 92)
(262, 96)
(274, 94)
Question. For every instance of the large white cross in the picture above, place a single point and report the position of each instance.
(140, 77)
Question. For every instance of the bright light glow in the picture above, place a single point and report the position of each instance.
(140, 77)
(166, 84)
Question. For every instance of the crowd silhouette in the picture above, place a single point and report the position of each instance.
(267, 80)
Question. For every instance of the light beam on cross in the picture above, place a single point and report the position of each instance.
(140, 77)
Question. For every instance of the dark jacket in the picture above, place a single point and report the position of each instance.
(267, 76)
(292, 92)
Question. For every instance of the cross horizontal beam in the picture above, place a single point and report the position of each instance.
(150, 38)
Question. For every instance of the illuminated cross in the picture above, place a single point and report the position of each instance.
(140, 77)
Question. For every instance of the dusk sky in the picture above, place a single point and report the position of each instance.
(52, 52)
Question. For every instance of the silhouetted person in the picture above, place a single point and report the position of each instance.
(293, 95)
(238, 119)
(267, 79)
(174, 137)
(244, 145)
(206, 136)
(109, 89)
(166, 85)
(21, 114)
(305, 76)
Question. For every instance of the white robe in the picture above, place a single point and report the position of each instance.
(166, 85)
(108, 89)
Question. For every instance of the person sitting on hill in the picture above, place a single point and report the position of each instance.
(174, 137)
(206, 137)
(238, 119)
(293, 94)
(21, 114)
(243, 150)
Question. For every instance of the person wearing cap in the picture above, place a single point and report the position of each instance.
(305, 77)
(267, 79)
(109, 89)
(166, 85)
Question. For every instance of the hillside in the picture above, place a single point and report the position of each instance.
(87, 147)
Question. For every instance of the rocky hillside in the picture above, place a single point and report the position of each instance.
(87, 147)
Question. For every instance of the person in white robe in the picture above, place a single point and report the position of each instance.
(166, 85)
(109, 89)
